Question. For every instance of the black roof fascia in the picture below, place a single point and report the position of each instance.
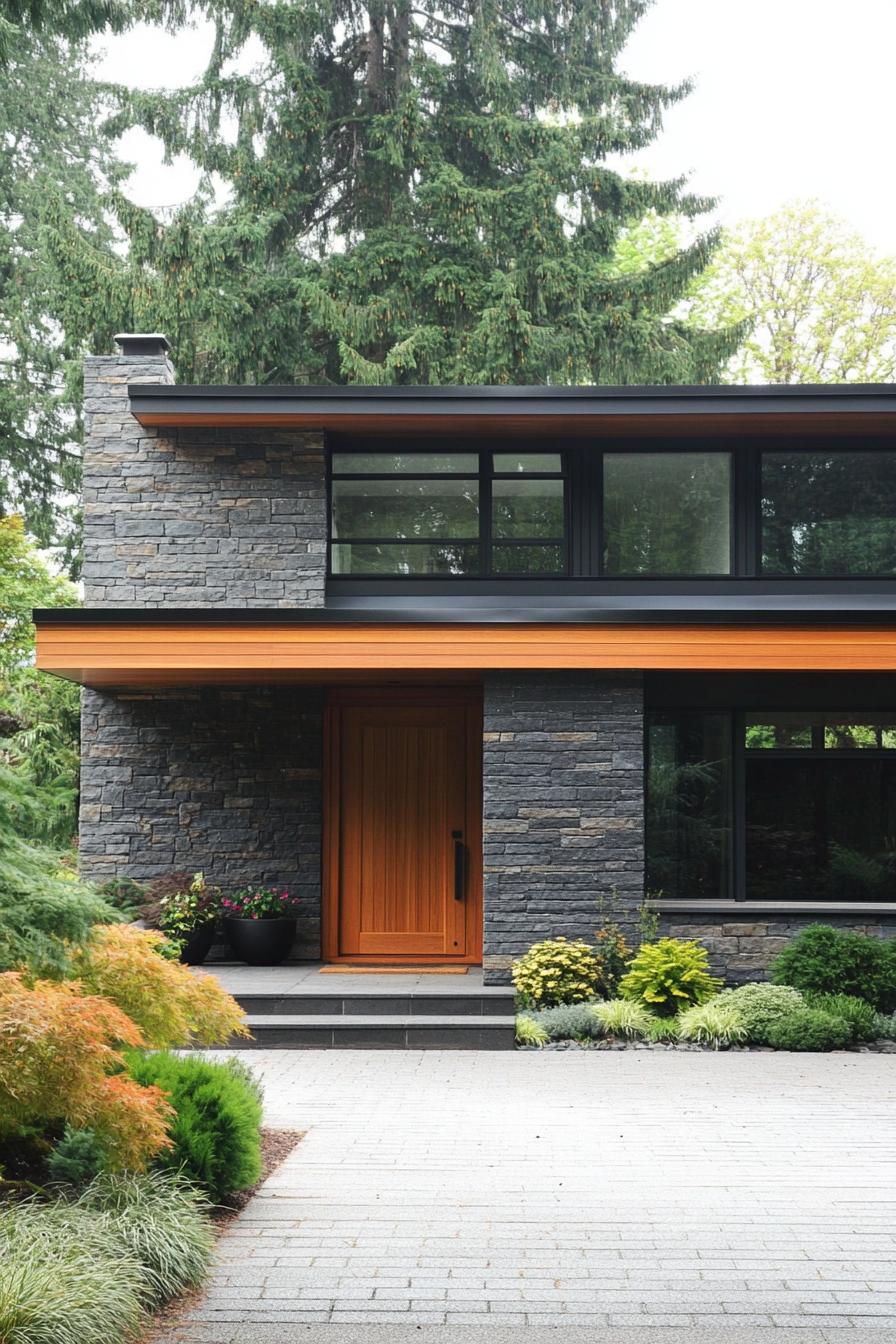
(459, 615)
(160, 398)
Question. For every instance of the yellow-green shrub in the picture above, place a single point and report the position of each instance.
(171, 1005)
(557, 971)
(668, 975)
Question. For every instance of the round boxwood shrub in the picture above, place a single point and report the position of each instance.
(760, 1005)
(837, 961)
(809, 1029)
(215, 1132)
(557, 971)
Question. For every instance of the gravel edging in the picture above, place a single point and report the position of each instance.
(880, 1047)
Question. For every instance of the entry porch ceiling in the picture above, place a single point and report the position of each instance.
(131, 649)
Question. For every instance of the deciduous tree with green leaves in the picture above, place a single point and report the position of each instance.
(821, 306)
(417, 193)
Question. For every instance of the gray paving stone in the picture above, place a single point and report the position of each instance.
(630, 1196)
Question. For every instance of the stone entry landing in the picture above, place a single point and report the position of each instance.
(295, 1006)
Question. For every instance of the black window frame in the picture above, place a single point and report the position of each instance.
(485, 475)
(740, 753)
(582, 474)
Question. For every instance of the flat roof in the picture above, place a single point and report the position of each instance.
(832, 407)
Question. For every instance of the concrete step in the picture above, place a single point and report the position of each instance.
(485, 1002)
(382, 1031)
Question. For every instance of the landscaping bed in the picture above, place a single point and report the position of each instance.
(830, 989)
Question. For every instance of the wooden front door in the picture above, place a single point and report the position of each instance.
(403, 879)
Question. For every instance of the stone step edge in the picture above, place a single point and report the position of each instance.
(331, 1022)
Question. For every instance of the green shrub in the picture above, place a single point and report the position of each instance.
(623, 1017)
(569, 1022)
(809, 1029)
(557, 971)
(885, 1026)
(668, 975)
(77, 1158)
(662, 1029)
(215, 1132)
(715, 1023)
(858, 1014)
(838, 961)
(759, 1005)
(530, 1032)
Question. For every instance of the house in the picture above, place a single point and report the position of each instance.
(462, 665)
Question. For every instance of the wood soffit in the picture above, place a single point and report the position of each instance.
(148, 655)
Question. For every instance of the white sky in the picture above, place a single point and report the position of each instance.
(794, 98)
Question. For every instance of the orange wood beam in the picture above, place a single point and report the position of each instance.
(145, 656)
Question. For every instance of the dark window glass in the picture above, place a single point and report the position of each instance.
(527, 560)
(829, 513)
(820, 827)
(513, 462)
(405, 464)
(688, 820)
(667, 513)
(405, 558)
(529, 509)
(405, 509)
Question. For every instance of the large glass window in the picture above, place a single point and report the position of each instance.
(806, 800)
(442, 513)
(829, 513)
(688, 821)
(667, 513)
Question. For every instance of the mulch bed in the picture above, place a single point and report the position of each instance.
(276, 1145)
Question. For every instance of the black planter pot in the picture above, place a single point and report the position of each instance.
(199, 944)
(260, 942)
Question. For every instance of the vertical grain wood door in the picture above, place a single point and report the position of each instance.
(408, 877)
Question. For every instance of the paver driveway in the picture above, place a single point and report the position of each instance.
(593, 1189)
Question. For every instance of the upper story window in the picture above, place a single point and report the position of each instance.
(430, 514)
(667, 513)
(620, 510)
(829, 514)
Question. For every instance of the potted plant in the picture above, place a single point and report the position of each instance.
(260, 924)
(188, 918)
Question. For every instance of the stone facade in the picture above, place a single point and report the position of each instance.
(227, 781)
(563, 813)
(742, 950)
(196, 517)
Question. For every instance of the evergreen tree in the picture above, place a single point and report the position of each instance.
(52, 148)
(416, 194)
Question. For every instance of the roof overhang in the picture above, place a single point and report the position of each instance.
(131, 649)
(844, 408)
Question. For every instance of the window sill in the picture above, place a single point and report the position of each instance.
(774, 907)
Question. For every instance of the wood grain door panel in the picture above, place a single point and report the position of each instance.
(403, 799)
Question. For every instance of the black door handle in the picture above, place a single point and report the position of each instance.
(460, 865)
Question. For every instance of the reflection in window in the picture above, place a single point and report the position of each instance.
(667, 513)
(829, 513)
(828, 732)
(688, 819)
(820, 827)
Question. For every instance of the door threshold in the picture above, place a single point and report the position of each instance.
(349, 968)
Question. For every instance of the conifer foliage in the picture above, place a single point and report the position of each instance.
(417, 193)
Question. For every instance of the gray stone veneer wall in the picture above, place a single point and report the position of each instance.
(743, 949)
(227, 781)
(563, 807)
(196, 517)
